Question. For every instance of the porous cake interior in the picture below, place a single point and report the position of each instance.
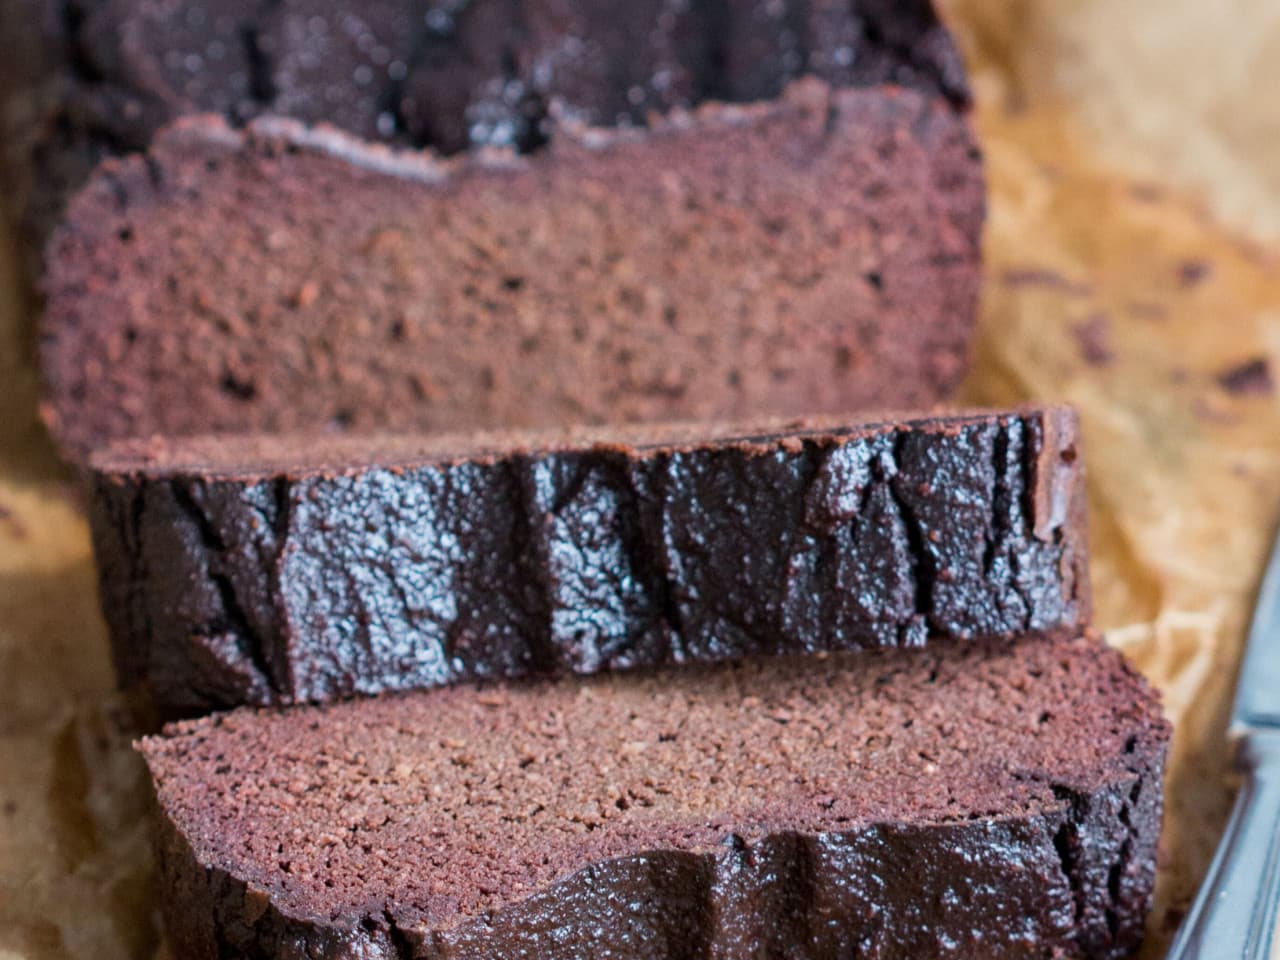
(725, 267)
(451, 803)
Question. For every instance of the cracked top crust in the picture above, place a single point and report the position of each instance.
(274, 571)
(456, 73)
(995, 800)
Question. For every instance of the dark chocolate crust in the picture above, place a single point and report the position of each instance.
(1013, 812)
(279, 582)
(89, 79)
(818, 254)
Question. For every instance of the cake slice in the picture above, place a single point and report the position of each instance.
(992, 800)
(277, 569)
(817, 253)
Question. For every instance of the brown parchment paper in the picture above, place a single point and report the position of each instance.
(1134, 157)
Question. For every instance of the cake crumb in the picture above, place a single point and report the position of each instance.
(1093, 336)
(1192, 273)
(1044, 277)
(1252, 378)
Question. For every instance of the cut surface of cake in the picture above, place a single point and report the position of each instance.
(813, 254)
(994, 800)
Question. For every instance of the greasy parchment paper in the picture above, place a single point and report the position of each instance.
(1134, 156)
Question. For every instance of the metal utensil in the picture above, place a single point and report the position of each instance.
(1234, 914)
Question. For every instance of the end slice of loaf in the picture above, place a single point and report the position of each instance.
(285, 569)
(994, 800)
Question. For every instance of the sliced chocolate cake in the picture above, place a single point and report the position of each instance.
(278, 569)
(646, 259)
(991, 800)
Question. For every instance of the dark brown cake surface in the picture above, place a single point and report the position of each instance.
(279, 569)
(988, 801)
(817, 254)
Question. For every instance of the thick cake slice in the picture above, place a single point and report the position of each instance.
(992, 800)
(815, 254)
(276, 570)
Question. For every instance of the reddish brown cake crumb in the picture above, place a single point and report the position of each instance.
(816, 254)
(992, 800)
(1094, 338)
(1249, 379)
(1192, 273)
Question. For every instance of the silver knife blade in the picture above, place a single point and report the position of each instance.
(1234, 915)
(1257, 702)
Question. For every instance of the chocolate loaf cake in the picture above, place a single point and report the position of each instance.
(992, 800)
(277, 570)
(88, 79)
